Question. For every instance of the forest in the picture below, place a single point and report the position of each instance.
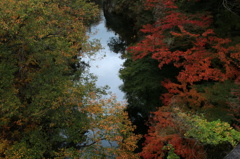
(181, 75)
(50, 106)
(181, 80)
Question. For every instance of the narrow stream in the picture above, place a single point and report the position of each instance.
(106, 64)
(106, 68)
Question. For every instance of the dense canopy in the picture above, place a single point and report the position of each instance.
(48, 101)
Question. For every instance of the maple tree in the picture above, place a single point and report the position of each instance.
(166, 128)
(189, 42)
(45, 88)
(109, 123)
(187, 134)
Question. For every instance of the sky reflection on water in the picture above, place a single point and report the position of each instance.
(106, 69)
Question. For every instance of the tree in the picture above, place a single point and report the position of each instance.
(109, 123)
(166, 129)
(39, 98)
(191, 136)
(213, 133)
(44, 84)
(188, 41)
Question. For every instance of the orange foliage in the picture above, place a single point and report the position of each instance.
(109, 122)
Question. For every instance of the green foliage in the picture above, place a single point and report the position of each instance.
(218, 94)
(142, 83)
(216, 91)
(39, 67)
(49, 102)
(127, 18)
(171, 154)
(140, 86)
(213, 133)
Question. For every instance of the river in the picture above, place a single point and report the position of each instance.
(107, 63)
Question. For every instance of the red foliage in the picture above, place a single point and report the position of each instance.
(186, 41)
(165, 130)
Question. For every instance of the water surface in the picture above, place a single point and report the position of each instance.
(106, 68)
